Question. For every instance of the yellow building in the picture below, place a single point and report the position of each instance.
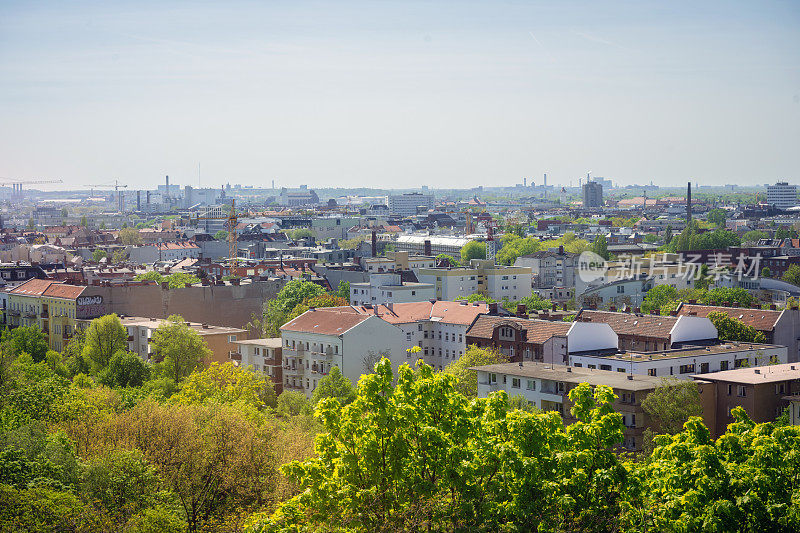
(50, 305)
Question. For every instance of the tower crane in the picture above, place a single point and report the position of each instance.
(16, 190)
(116, 186)
(231, 221)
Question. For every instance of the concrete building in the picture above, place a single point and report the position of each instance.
(681, 363)
(764, 392)
(220, 339)
(320, 339)
(388, 287)
(592, 195)
(262, 355)
(164, 251)
(400, 260)
(431, 245)
(481, 276)
(550, 268)
(782, 195)
(407, 204)
(630, 292)
(547, 387)
(781, 327)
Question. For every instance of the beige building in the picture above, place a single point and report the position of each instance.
(262, 355)
(481, 276)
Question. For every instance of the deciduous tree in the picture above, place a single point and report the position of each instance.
(178, 348)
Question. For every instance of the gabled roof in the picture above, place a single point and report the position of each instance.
(61, 290)
(33, 287)
(325, 321)
(761, 319)
(654, 326)
(538, 331)
(443, 311)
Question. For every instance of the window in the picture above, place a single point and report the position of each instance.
(605, 367)
(741, 391)
(651, 372)
(780, 388)
(531, 384)
(739, 363)
(492, 378)
(686, 369)
(560, 386)
(620, 289)
(730, 390)
(723, 365)
(515, 383)
(419, 327)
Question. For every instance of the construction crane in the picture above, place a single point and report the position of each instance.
(231, 221)
(116, 186)
(16, 191)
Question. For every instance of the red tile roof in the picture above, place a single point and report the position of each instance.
(539, 331)
(761, 319)
(325, 321)
(49, 288)
(654, 326)
(33, 287)
(447, 312)
(59, 290)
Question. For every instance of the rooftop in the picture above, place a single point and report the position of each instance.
(755, 375)
(691, 351)
(447, 312)
(326, 321)
(538, 331)
(202, 329)
(567, 374)
(631, 324)
(274, 342)
(761, 319)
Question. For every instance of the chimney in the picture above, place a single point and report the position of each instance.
(374, 243)
(522, 311)
(554, 307)
(612, 308)
(637, 310)
(773, 307)
(138, 200)
(427, 248)
(689, 202)
(493, 309)
(654, 312)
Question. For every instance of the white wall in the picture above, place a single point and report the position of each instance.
(692, 328)
(586, 336)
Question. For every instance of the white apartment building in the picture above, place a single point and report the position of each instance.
(481, 276)
(336, 336)
(262, 355)
(397, 261)
(406, 204)
(388, 287)
(550, 268)
(681, 363)
(782, 195)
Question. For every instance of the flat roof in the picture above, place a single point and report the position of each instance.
(688, 351)
(197, 326)
(754, 375)
(274, 342)
(568, 374)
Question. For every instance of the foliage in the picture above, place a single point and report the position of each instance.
(178, 348)
(726, 296)
(300, 233)
(335, 386)
(658, 297)
(766, 272)
(125, 369)
(98, 255)
(717, 216)
(418, 456)
(466, 380)
(178, 280)
(293, 403)
(477, 297)
(450, 260)
(227, 383)
(25, 339)
(514, 246)
(129, 237)
(754, 236)
(343, 291)
(691, 239)
(104, 337)
(473, 250)
(323, 300)
(731, 329)
(534, 302)
(352, 244)
(600, 247)
(221, 235)
(670, 406)
(119, 256)
(792, 275)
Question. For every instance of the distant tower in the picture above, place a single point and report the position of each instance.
(688, 203)
(166, 193)
(545, 179)
(524, 182)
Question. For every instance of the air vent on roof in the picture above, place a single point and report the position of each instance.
(630, 377)
(757, 370)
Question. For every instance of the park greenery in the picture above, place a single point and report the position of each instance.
(692, 238)
(97, 439)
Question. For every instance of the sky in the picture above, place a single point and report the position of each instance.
(399, 94)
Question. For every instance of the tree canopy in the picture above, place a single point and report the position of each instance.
(473, 250)
(178, 348)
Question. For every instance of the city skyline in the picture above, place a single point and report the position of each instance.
(387, 96)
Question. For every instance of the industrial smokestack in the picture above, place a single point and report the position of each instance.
(545, 179)
(167, 193)
(147, 200)
(374, 243)
(138, 200)
(688, 202)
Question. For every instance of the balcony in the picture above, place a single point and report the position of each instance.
(235, 356)
(13, 312)
(298, 370)
(293, 387)
(45, 314)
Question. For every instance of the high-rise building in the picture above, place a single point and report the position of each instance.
(406, 204)
(592, 194)
(782, 195)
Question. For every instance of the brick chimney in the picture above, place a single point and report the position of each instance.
(493, 309)
(522, 311)
(427, 247)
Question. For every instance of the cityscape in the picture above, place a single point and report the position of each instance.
(534, 346)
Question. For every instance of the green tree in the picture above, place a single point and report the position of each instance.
(754, 236)
(178, 348)
(731, 329)
(227, 383)
(344, 290)
(766, 272)
(221, 235)
(670, 406)
(26, 339)
(668, 235)
(104, 337)
(658, 297)
(473, 250)
(448, 259)
(726, 296)
(334, 385)
(84, 222)
(300, 233)
(129, 237)
(717, 217)
(792, 275)
(98, 255)
(293, 403)
(600, 247)
(119, 256)
(466, 380)
(125, 369)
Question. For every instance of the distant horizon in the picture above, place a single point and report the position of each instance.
(399, 95)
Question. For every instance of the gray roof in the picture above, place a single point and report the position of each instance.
(567, 374)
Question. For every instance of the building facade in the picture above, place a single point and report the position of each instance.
(782, 195)
(407, 204)
(388, 287)
(481, 276)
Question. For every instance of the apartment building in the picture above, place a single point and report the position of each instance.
(780, 327)
(481, 276)
(220, 339)
(550, 268)
(637, 331)
(763, 391)
(164, 251)
(782, 195)
(397, 260)
(52, 306)
(523, 339)
(682, 363)
(433, 245)
(336, 336)
(438, 328)
(592, 195)
(388, 287)
(262, 355)
(407, 204)
(547, 387)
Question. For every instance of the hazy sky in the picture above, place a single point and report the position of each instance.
(399, 94)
